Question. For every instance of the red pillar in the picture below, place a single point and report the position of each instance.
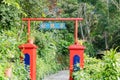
(30, 49)
(76, 50)
(76, 32)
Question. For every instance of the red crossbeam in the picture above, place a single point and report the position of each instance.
(52, 19)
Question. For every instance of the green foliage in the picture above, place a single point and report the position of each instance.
(106, 69)
(111, 70)
(37, 8)
(65, 39)
(52, 50)
(89, 50)
(10, 12)
(99, 16)
(9, 56)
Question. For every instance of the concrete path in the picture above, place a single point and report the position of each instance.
(61, 75)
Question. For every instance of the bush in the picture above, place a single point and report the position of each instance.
(47, 62)
(89, 49)
(52, 51)
(106, 69)
(9, 56)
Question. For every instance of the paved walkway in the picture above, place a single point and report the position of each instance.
(61, 75)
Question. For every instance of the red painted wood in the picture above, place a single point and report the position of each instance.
(76, 32)
(28, 31)
(76, 49)
(52, 19)
(30, 49)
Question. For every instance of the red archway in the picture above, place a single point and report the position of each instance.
(30, 48)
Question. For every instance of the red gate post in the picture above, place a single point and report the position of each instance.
(30, 49)
(76, 50)
(76, 53)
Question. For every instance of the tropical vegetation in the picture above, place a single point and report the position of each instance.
(99, 31)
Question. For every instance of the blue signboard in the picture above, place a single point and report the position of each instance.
(52, 25)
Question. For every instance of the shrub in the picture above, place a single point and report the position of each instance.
(106, 69)
(89, 49)
(9, 56)
(47, 62)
